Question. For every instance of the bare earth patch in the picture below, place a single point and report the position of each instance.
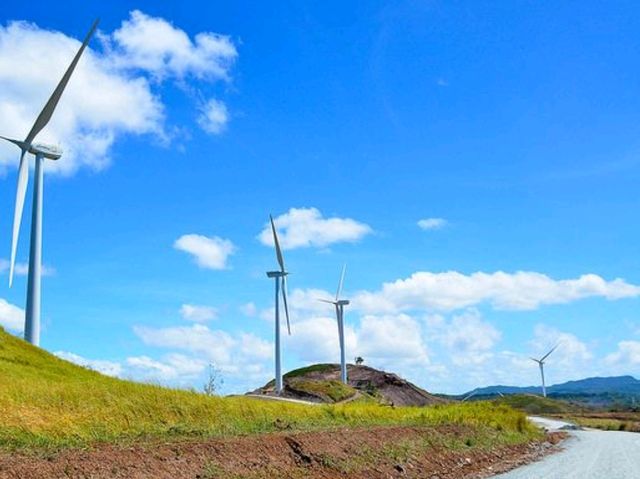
(383, 452)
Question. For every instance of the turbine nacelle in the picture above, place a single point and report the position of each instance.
(50, 152)
(340, 302)
(277, 274)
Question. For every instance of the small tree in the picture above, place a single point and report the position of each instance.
(214, 381)
(359, 360)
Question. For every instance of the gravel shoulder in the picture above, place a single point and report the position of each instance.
(587, 454)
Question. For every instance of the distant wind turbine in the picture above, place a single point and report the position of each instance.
(339, 305)
(541, 364)
(470, 395)
(281, 284)
(32, 317)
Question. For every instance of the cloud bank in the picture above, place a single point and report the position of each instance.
(113, 92)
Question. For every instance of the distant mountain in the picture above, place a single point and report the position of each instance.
(617, 385)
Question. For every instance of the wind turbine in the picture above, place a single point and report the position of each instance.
(32, 317)
(339, 305)
(281, 283)
(541, 364)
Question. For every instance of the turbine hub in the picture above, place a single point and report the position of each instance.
(276, 274)
(48, 151)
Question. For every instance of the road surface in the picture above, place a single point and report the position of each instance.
(587, 455)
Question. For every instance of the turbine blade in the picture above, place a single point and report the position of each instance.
(21, 192)
(344, 269)
(536, 360)
(21, 144)
(330, 301)
(277, 243)
(552, 350)
(286, 306)
(47, 111)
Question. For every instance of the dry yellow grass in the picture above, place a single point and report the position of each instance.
(48, 402)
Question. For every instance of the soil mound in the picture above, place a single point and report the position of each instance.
(321, 383)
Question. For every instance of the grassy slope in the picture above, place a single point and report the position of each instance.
(48, 402)
(532, 404)
(329, 391)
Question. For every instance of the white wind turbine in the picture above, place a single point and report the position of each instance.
(32, 317)
(541, 364)
(339, 305)
(281, 283)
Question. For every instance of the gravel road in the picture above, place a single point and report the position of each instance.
(586, 455)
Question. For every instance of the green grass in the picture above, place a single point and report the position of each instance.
(316, 368)
(532, 404)
(329, 391)
(49, 403)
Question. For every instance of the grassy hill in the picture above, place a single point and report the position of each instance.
(48, 402)
(321, 383)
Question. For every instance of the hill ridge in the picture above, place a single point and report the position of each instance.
(625, 384)
(321, 383)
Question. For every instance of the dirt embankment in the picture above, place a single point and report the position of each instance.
(403, 452)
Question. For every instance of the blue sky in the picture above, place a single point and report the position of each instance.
(186, 124)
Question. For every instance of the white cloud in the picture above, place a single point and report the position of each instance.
(155, 45)
(216, 345)
(316, 340)
(432, 223)
(391, 338)
(22, 269)
(255, 348)
(210, 253)
(570, 349)
(173, 367)
(99, 104)
(469, 338)
(11, 316)
(213, 117)
(302, 302)
(109, 368)
(112, 93)
(227, 352)
(198, 313)
(627, 355)
(306, 227)
(249, 309)
(523, 290)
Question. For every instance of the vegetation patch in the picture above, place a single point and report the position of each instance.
(537, 405)
(328, 391)
(315, 368)
(607, 421)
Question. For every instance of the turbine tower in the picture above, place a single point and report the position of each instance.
(32, 317)
(280, 278)
(541, 364)
(339, 305)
